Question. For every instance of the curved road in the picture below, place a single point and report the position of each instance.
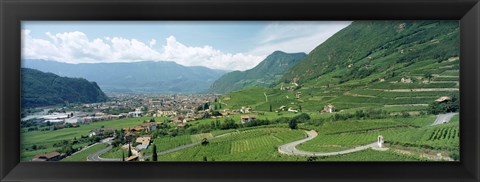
(290, 148)
(96, 156)
(444, 118)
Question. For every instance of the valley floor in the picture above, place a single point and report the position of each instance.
(280, 143)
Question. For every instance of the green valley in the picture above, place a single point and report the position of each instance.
(373, 91)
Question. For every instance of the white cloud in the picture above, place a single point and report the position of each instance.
(76, 47)
(295, 36)
(208, 56)
(152, 42)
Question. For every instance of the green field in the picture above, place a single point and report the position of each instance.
(249, 145)
(115, 153)
(407, 132)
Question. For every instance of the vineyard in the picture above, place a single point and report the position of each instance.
(408, 132)
(370, 155)
(440, 137)
(248, 145)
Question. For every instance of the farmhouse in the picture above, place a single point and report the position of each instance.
(247, 118)
(149, 126)
(245, 109)
(101, 131)
(298, 95)
(329, 108)
(290, 109)
(166, 113)
(52, 156)
(406, 80)
(443, 99)
(143, 140)
(181, 125)
(135, 114)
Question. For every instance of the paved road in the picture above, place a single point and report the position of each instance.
(443, 118)
(96, 156)
(290, 148)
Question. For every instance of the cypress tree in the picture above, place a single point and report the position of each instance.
(154, 155)
(129, 150)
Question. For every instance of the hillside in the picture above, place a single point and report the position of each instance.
(135, 77)
(265, 73)
(45, 89)
(395, 66)
(362, 43)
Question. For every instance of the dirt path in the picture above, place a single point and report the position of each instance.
(399, 105)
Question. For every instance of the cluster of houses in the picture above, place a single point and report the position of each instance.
(290, 87)
(329, 108)
(143, 128)
(100, 131)
(247, 118)
(284, 108)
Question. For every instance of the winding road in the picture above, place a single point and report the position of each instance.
(96, 156)
(290, 148)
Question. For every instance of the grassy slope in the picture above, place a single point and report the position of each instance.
(423, 48)
(264, 74)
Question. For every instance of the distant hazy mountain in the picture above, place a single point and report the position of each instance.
(135, 77)
(45, 89)
(264, 74)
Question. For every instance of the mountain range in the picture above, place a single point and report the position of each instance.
(135, 77)
(265, 73)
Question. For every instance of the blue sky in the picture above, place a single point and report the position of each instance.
(228, 45)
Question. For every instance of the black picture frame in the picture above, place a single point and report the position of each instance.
(12, 12)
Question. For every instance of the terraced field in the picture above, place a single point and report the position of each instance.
(407, 132)
(248, 145)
